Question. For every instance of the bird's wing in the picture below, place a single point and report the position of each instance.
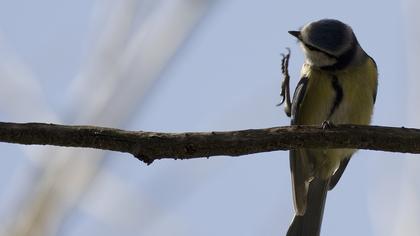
(298, 96)
(299, 166)
(309, 191)
(338, 173)
(309, 196)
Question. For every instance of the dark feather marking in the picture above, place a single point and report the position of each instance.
(374, 92)
(298, 96)
(338, 95)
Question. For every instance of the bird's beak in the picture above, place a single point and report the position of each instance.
(296, 34)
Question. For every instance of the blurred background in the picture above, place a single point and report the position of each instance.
(189, 65)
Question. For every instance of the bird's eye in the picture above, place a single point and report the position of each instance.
(312, 48)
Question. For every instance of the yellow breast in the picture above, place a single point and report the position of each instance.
(358, 86)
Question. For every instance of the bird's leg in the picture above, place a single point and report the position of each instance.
(285, 85)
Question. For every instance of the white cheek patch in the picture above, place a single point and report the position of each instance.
(317, 58)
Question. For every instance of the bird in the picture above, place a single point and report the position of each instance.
(338, 85)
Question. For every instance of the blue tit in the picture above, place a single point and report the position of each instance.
(338, 86)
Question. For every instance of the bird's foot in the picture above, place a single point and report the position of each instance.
(285, 87)
(327, 124)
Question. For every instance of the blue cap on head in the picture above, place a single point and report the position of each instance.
(331, 35)
(328, 35)
(329, 43)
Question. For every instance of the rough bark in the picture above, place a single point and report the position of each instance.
(150, 146)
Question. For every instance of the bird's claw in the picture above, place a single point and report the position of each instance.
(285, 87)
(327, 124)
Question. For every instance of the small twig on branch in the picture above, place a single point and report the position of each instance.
(150, 146)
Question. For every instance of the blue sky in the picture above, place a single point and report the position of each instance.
(224, 76)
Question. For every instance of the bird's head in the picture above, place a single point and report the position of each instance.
(326, 42)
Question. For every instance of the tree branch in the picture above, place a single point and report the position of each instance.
(150, 146)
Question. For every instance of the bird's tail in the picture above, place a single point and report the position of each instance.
(309, 224)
